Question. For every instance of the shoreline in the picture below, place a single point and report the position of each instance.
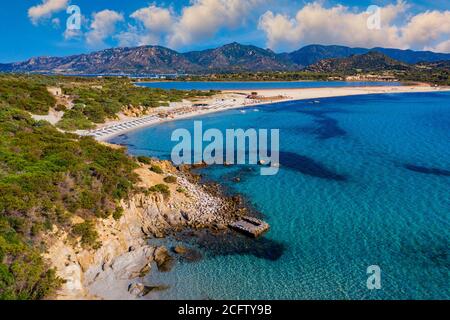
(236, 99)
(122, 267)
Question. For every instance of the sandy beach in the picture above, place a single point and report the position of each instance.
(228, 100)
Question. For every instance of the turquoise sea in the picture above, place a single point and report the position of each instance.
(364, 180)
(248, 85)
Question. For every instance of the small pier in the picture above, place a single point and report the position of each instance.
(249, 226)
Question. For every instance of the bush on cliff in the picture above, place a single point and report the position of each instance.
(156, 169)
(46, 177)
(170, 179)
(88, 234)
(161, 188)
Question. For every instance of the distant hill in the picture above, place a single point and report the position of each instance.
(371, 61)
(435, 65)
(233, 57)
(314, 53)
(237, 57)
(147, 59)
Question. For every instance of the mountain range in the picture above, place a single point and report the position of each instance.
(367, 62)
(232, 57)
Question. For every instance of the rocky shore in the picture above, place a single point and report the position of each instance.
(116, 269)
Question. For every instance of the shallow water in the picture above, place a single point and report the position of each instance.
(363, 181)
(248, 85)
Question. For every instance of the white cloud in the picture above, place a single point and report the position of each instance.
(315, 23)
(426, 28)
(204, 18)
(133, 36)
(154, 23)
(102, 27)
(201, 20)
(46, 9)
(154, 18)
(443, 47)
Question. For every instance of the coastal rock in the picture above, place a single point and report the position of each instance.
(136, 289)
(163, 259)
(149, 289)
(105, 273)
(179, 250)
(192, 255)
(130, 265)
(145, 270)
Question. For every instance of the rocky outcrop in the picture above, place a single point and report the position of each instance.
(115, 269)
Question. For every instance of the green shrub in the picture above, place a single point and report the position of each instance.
(118, 213)
(156, 169)
(60, 107)
(46, 177)
(170, 179)
(23, 273)
(74, 119)
(88, 234)
(144, 160)
(26, 95)
(161, 188)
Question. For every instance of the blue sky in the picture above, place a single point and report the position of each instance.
(186, 25)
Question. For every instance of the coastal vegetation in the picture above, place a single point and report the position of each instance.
(88, 234)
(161, 188)
(156, 169)
(424, 75)
(103, 99)
(31, 96)
(369, 66)
(46, 178)
(50, 178)
(170, 179)
(261, 76)
(85, 101)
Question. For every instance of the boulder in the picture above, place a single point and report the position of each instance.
(179, 250)
(163, 259)
(136, 289)
(149, 289)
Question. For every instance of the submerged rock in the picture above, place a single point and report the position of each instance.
(163, 259)
(192, 255)
(180, 250)
(188, 254)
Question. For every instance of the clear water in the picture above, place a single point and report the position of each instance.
(210, 85)
(386, 203)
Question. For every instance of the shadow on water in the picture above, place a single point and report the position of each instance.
(425, 250)
(325, 127)
(232, 243)
(427, 170)
(308, 166)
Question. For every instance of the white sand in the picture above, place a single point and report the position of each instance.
(237, 99)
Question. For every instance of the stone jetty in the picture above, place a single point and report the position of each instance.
(250, 226)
